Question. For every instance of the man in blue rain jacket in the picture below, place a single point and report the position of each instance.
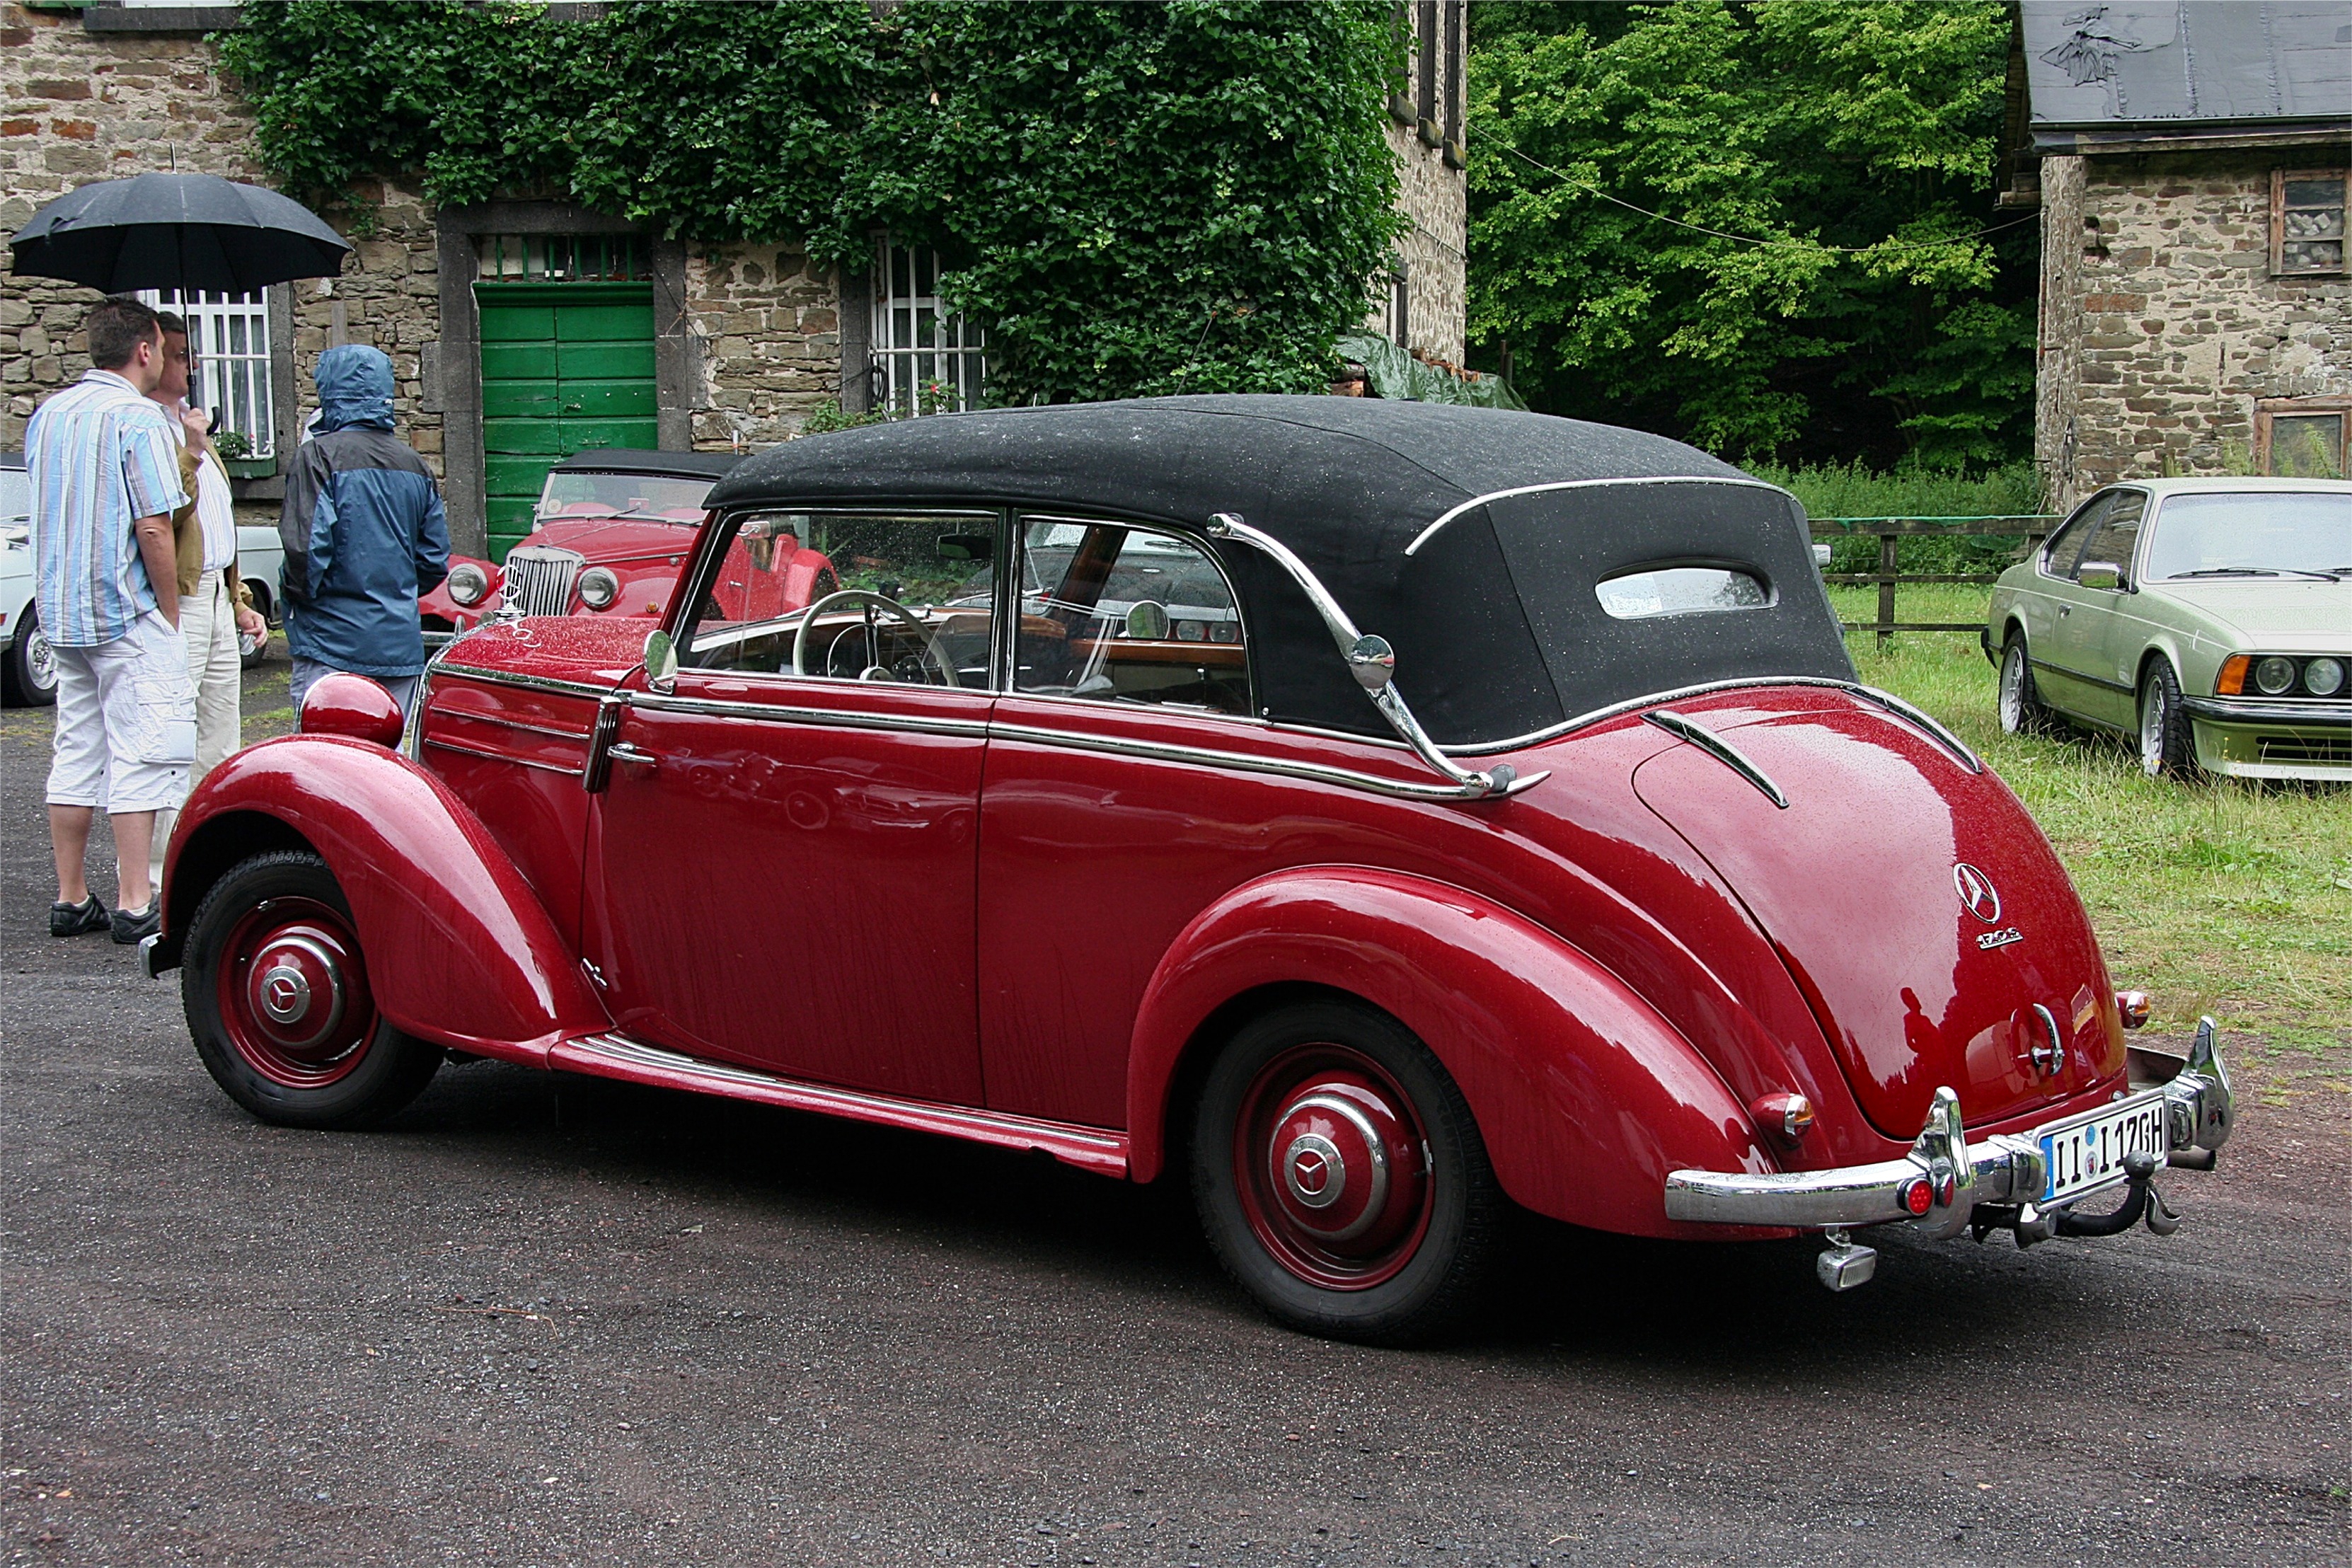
(364, 534)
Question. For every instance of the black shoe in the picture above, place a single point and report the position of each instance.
(77, 919)
(130, 928)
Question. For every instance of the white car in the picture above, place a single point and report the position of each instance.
(27, 674)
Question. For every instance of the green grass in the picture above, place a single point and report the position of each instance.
(2219, 897)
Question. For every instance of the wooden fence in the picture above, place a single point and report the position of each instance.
(1890, 531)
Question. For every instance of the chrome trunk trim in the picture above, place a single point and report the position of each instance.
(1721, 750)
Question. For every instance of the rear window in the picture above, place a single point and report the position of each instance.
(1680, 591)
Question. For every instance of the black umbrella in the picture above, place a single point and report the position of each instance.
(177, 231)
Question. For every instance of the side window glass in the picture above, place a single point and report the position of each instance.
(1114, 613)
(896, 598)
(2112, 541)
(2065, 546)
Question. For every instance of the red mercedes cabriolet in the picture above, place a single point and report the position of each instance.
(1093, 817)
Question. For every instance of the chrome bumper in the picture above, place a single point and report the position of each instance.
(2270, 711)
(2004, 1171)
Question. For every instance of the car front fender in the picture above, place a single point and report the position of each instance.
(459, 949)
(1585, 1096)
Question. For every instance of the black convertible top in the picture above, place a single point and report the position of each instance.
(636, 460)
(1498, 628)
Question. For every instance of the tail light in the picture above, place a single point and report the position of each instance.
(2134, 1007)
(1786, 1116)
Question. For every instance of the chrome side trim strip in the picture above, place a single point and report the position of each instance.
(822, 718)
(520, 682)
(1202, 756)
(505, 723)
(1476, 502)
(435, 743)
(1093, 1148)
(1721, 750)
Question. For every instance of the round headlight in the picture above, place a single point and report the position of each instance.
(599, 587)
(468, 583)
(2323, 676)
(2273, 675)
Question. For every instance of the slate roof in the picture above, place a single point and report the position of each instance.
(2096, 70)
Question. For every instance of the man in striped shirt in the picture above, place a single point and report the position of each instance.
(106, 480)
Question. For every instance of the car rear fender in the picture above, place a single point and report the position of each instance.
(459, 950)
(1586, 1097)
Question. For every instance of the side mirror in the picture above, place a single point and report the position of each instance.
(661, 661)
(2099, 575)
(1373, 662)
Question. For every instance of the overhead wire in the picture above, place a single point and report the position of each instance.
(1592, 189)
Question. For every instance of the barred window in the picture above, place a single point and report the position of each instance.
(228, 339)
(927, 358)
(2307, 221)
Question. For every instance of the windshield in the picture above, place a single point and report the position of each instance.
(2251, 533)
(656, 496)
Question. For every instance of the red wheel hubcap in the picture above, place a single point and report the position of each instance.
(294, 994)
(1332, 1167)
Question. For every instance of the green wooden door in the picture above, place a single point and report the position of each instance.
(565, 367)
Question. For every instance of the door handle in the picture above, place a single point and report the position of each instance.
(622, 751)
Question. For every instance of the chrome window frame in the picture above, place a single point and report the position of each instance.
(1199, 539)
(721, 531)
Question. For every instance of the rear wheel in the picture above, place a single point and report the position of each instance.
(276, 991)
(2166, 745)
(1340, 1178)
(2021, 712)
(31, 669)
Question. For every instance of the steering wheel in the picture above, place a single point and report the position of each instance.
(858, 595)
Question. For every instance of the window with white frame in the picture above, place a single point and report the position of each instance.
(228, 339)
(927, 358)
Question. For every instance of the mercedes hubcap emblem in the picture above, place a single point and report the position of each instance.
(285, 994)
(1976, 890)
(1313, 1171)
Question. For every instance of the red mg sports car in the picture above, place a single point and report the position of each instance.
(1375, 814)
(614, 530)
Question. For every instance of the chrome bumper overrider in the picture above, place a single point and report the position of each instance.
(1982, 1186)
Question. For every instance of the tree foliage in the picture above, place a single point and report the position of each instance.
(1135, 198)
(1859, 312)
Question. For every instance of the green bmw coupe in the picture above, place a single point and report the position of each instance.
(2210, 618)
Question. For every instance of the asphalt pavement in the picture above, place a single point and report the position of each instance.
(551, 1321)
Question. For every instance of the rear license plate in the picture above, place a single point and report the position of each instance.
(2087, 1153)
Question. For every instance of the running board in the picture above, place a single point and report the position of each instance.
(618, 1056)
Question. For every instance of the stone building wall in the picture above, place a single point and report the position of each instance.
(766, 327)
(2161, 324)
(1436, 198)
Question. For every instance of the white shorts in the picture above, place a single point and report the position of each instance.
(126, 732)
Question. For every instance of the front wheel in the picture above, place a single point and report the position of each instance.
(2166, 746)
(2021, 712)
(1340, 1178)
(276, 991)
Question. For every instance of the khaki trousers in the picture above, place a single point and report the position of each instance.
(208, 624)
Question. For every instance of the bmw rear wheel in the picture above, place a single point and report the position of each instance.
(2166, 746)
(276, 991)
(1340, 1178)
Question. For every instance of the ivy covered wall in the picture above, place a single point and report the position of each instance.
(1136, 198)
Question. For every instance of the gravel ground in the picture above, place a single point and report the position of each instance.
(551, 1321)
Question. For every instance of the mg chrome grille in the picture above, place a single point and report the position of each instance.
(539, 579)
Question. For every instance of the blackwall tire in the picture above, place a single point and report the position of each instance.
(2022, 709)
(276, 991)
(1331, 1240)
(31, 669)
(2166, 747)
